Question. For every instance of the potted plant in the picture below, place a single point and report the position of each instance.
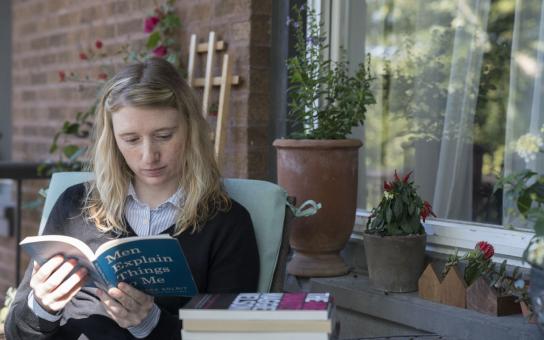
(526, 189)
(319, 162)
(491, 289)
(395, 239)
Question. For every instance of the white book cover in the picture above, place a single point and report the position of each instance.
(259, 306)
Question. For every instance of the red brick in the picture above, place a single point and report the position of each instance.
(225, 8)
(49, 34)
(261, 7)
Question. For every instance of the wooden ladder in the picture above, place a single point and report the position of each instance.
(225, 81)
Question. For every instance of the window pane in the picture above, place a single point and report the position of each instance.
(442, 87)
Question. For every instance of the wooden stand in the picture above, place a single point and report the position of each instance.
(484, 299)
(429, 284)
(453, 291)
(225, 81)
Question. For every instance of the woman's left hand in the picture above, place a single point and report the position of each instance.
(126, 305)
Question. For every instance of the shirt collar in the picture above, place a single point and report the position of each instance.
(176, 199)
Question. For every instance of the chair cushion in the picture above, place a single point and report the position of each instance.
(60, 181)
(265, 202)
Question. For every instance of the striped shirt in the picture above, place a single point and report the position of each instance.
(144, 221)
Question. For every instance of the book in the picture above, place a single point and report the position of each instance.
(155, 264)
(186, 335)
(258, 306)
(324, 326)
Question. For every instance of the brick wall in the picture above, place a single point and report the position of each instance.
(48, 35)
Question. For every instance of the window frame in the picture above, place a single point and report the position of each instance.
(446, 236)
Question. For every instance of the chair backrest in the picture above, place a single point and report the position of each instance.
(265, 202)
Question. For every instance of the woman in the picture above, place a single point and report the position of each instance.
(154, 173)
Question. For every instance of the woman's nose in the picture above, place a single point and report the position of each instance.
(150, 153)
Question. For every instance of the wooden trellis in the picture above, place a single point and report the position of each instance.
(225, 81)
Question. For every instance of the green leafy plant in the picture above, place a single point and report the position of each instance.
(71, 141)
(478, 263)
(400, 211)
(526, 189)
(325, 101)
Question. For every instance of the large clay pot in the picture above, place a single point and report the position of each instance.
(395, 262)
(324, 171)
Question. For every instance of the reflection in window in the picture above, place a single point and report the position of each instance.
(458, 82)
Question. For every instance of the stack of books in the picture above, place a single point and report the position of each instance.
(261, 316)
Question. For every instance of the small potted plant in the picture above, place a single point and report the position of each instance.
(395, 239)
(491, 289)
(318, 161)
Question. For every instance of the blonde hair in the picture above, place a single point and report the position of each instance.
(152, 83)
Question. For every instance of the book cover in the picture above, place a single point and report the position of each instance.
(258, 306)
(155, 265)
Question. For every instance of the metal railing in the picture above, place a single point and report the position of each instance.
(19, 172)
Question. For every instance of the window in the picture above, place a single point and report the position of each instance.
(457, 83)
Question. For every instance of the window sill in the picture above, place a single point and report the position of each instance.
(445, 236)
(406, 313)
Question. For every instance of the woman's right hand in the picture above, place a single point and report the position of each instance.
(52, 286)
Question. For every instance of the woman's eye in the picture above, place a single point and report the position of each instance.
(164, 137)
(131, 140)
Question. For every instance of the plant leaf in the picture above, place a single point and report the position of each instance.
(153, 40)
(70, 150)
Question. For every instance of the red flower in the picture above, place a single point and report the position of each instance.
(397, 178)
(406, 177)
(150, 23)
(426, 210)
(486, 249)
(160, 51)
(387, 186)
(83, 56)
(98, 44)
(102, 76)
(62, 75)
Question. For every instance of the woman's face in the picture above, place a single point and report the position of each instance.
(152, 143)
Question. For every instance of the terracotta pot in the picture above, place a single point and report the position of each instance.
(324, 171)
(526, 311)
(536, 292)
(395, 263)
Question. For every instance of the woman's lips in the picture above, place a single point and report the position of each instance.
(155, 172)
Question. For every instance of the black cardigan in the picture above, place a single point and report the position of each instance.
(223, 257)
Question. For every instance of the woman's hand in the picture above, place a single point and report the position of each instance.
(126, 305)
(52, 286)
